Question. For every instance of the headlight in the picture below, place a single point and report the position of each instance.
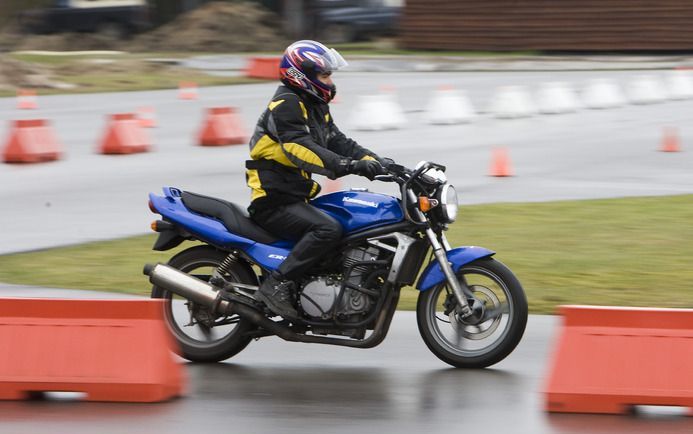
(448, 202)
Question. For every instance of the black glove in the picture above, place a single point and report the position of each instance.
(386, 162)
(368, 168)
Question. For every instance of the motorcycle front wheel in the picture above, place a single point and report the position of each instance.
(491, 333)
(201, 335)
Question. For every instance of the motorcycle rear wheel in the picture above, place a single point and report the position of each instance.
(461, 343)
(199, 342)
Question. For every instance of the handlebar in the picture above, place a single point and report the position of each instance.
(404, 177)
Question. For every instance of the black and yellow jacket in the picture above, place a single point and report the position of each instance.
(294, 138)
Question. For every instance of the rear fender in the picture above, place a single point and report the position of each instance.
(186, 225)
(433, 275)
(190, 225)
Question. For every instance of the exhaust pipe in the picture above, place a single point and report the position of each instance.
(201, 292)
(183, 284)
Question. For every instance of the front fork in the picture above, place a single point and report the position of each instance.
(439, 250)
(440, 253)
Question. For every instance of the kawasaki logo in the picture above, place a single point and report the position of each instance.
(360, 202)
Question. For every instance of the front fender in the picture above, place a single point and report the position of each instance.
(433, 274)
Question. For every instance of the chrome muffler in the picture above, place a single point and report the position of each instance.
(201, 292)
(187, 286)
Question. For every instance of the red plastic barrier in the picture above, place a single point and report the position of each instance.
(124, 135)
(111, 350)
(609, 359)
(222, 126)
(263, 67)
(31, 141)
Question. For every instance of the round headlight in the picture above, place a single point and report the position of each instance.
(448, 202)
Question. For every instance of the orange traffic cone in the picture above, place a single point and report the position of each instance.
(124, 135)
(26, 99)
(147, 117)
(263, 67)
(500, 163)
(670, 141)
(187, 90)
(31, 141)
(222, 126)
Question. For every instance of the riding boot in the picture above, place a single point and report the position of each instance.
(278, 294)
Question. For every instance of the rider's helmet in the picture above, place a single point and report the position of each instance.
(301, 63)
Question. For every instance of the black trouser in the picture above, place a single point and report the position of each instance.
(316, 233)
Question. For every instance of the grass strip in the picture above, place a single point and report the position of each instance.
(92, 73)
(629, 252)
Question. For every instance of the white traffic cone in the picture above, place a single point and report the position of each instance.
(602, 93)
(645, 89)
(449, 106)
(680, 84)
(512, 102)
(557, 97)
(377, 112)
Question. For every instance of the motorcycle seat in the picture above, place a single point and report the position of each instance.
(233, 217)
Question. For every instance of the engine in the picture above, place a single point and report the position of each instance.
(319, 295)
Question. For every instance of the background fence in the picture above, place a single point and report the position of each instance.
(565, 25)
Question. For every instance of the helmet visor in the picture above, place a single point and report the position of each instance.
(333, 60)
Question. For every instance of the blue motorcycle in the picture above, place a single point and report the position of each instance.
(471, 310)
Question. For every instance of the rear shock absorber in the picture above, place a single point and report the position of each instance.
(223, 269)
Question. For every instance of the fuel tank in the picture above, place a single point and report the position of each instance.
(359, 210)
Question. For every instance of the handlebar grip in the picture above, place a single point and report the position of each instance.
(384, 178)
(397, 169)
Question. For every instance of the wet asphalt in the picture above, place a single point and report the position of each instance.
(399, 386)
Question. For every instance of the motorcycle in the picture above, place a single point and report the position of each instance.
(471, 309)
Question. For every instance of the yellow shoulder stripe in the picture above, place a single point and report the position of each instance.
(327, 117)
(303, 154)
(268, 149)
(274, 104)
(303, 109)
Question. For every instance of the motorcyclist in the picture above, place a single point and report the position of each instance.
(294, 138)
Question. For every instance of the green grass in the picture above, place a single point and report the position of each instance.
(116, 82)
(90, 73)
(68, 58)
(134, 71)
(632, 252)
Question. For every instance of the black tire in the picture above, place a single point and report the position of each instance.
(508, 328)
(193, 348)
